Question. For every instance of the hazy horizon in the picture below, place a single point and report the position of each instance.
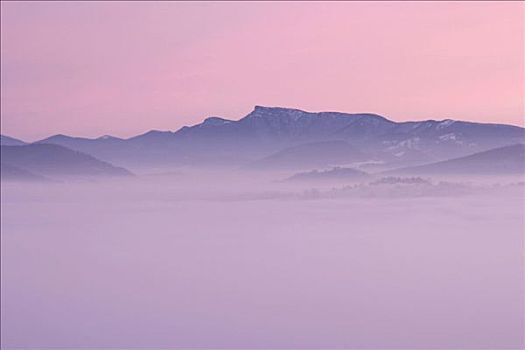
(122, 68)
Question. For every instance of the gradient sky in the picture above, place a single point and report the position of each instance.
(123, 68)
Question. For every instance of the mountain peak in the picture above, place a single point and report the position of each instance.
(58, 137)
(284, 111)
(259, 108)
(267, 109)
(214, 121)
(277, 112)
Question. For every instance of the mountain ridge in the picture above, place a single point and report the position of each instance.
(267, 130)
(294, 113)
(258, 108)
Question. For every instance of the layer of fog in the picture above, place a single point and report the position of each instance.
(223, 260)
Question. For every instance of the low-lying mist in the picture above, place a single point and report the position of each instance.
(252, 260)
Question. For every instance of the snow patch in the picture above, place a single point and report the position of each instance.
(445, 123)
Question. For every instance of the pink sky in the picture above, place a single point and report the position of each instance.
(123, 68)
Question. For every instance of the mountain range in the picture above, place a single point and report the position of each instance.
(274, 137)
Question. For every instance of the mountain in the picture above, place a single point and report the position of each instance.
(268, 130)
(501, 160)
(312, 155)
(334, 174)
(10, 141)
(54, 161)
(276, 127)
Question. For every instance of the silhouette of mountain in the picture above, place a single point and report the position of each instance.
(10, 141)
(55, 161)
(502, 160)
(268, 130)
